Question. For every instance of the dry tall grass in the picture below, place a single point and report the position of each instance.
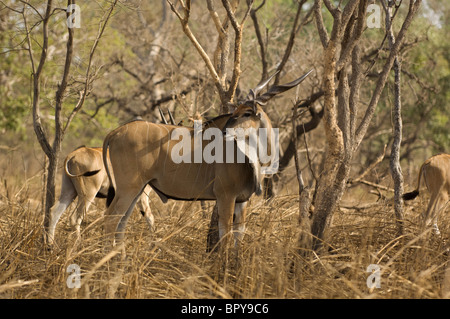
(171, 262)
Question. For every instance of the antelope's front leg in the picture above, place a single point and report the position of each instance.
(111, 221)
(226, 210)
(240, 212)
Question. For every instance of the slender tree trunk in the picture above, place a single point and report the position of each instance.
(37, 124)
(55, 150)
(52, 151)
(396, 169)
(50, 187)
(304, 197)
(394, 163)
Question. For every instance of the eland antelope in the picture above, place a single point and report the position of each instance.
(84, 177)
(435, 172)
(142, 153)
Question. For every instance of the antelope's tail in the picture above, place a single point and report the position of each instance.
(68, 173)
(112, 182)
(414, 193)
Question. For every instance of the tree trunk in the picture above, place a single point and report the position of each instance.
(395, 167)
(394, 163)
(330, 191)
(331, 185)
(52, 152)
(50, 194)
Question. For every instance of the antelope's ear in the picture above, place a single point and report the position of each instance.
(231, 107)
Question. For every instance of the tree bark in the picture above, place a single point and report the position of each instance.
(330, 187)
(394, 162)
(37, 123)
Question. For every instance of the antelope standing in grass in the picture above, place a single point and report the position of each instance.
(142, 153)
(84, 176)
(435, 172)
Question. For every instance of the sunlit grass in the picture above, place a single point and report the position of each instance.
(172, 262)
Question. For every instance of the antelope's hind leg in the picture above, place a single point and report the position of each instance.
(68, 194)
(117, 214)
(84, 202)
(115, 221)
(438, 203)
(87, 188)
(441, 205)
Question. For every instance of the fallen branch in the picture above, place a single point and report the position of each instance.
(18, 283)
(378, 160)
(378, 186)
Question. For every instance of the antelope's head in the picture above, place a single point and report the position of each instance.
(249, 112)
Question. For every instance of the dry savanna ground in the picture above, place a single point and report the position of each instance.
(171, 262)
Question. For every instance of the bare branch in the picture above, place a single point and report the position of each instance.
(360, 132)
(37, 124)
(62, 87)
(12, 9)
(355, 36)
(259, 37)
(184, 23)
(323, 34)
(215, 17)
(290, 44)
(355, 85)
(375, 185)
(348, 11)
(223, 46)
(86, 90)
(301, 183)
(330, 7)
(238, 28)
(230, 13)
(32, 7)
(377, 161)
(28, 39)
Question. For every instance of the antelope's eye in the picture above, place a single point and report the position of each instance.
(247, 114)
